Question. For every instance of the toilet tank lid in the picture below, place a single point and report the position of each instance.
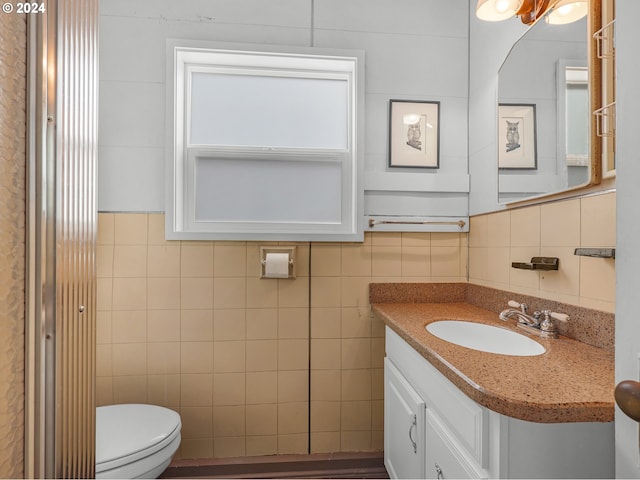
(125, 429)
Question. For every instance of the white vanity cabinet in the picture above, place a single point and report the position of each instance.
(456, 437)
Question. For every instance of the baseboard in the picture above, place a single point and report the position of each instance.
(330, 465)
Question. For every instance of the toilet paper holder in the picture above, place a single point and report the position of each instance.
(290, 251)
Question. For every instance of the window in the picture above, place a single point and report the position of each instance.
(264, 144)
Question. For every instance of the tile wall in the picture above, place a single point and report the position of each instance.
(254, 367)
(553, 229)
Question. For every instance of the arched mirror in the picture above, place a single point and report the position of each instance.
(543, 112)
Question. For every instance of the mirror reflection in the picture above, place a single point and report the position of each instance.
(543, 113)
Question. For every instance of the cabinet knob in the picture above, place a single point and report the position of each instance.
(439, 474)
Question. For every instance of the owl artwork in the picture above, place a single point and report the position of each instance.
(513, 136)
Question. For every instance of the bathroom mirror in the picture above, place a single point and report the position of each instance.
(543, 113)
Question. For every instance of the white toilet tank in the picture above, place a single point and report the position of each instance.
(135, 440)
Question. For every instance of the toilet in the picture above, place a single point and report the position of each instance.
(135, 440)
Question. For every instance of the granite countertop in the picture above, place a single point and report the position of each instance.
(571, 382)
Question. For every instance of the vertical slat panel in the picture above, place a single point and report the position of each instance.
(76, 141)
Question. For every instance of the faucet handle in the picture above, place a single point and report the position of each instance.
(548, 327)
(561, 317)
(522, 306)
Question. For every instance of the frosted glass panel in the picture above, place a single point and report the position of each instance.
(239, 190)
(268, 111)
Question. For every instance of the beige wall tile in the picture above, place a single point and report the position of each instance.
(196, 260)
(325, 354)
(129, 359)
(258, 445)
(130, 229)
(359, 441)
(325, 416)
(130, 389)
(293, 418)
(598, 221)
(356, 322)
(326, 322)
(326, 260)
(196, 448)
(229, 292)
(262, 323)
(598, 279)
(356, 416)
(129, 294)
(164, 390)
(445, 261)
(525, 227)
(386, 239)
(164, 293)
(230, 260)
(196, 325)
(416, 261)
(106, 229)
(386, 261)
(196, 390)
(164, 326)
(262, 419)
(104, 391)
(499, 229)
(478, 263)
(293, 354)
(354, 291)
(163, 260)
(196, 422)
(293, 386)
(262, 387)
(293, 323)
(499, 265)
(229, 421)
(163, 358)
(224, 447)
(156, 230)
(293, 293)
(356, 385)
(356, 260)
(293, 444)
(229, 324)
(104, 261)
(104, 361)
(565, 280)
(326, 385)
(103, 327)
(446, 239)
(416, 239)
(325, 292)
(479, 231)
(129, 326)
(560, 223)
(229, 389)
(197, 293)
(130, 261)
(196, 357)
(262, 355)
(261, 293)
(524, 278)
(229, 356)
(356, 353)
(325, 442)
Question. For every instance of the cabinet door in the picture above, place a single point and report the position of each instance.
(404, 426)
(444, 458)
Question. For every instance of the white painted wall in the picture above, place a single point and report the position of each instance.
(414, 49)
(628, 226)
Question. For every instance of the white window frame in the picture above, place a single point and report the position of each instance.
(184, 58)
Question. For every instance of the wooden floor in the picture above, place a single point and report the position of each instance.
(335, 465)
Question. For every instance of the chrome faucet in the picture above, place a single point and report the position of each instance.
(521, 315)
(546, 327)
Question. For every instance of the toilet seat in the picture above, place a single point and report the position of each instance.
(135, 440)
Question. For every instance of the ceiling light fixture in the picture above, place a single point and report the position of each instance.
(561, 11)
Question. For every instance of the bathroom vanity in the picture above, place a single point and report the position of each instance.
(453, 412)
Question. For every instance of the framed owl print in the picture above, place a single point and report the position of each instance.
(517, 136)
(414, 134)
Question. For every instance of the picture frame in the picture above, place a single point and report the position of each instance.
(517, 136)
(414, 134)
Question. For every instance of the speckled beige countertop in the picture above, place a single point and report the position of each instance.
(571, 382)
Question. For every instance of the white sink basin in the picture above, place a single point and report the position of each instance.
(485, 338)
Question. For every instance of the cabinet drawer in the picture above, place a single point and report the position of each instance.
(467, 420)
(444, 457)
